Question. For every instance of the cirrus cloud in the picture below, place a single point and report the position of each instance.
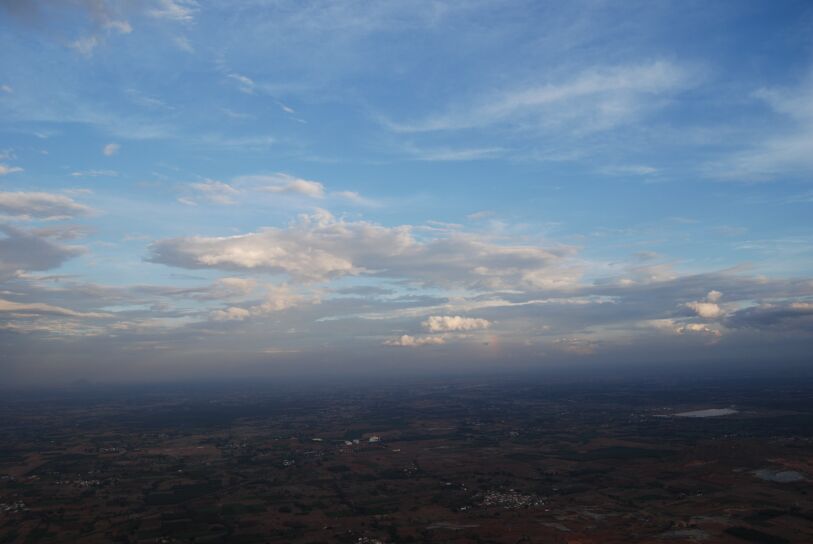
(596, 99)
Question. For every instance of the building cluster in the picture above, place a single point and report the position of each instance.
(511, 500)
(17, 506)
(79, 483)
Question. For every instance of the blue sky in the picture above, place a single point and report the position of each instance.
(199, 188)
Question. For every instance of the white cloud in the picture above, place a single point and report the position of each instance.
(110, 149)
(277, 299)
(280, 297)
(449, 323)
(147, 101)
(6, 89)
(94, 173)
(253, 186)
(575, 345)
(680, 328)
(36, 308)
(281, 183)
(629, 169)
(708, 309)
(455, 154)
(233, 287)
(174, 10)
(216, 191)
(479, 216)
(407, 341)
(5, 170)
(24, 205)
(312, 189)
(122, 27)
(699, 328)
(246, 84)
(232, 313)
(184, 44)
(318, 246)
(57, 326)
(355, 198)
(85, 45)
(777, 153)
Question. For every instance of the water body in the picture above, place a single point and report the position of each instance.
(781, 476)
(711, 412)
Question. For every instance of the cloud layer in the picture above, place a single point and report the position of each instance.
(318, 246)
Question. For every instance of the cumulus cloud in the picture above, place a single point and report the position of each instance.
(318, 247)
(708, 309)
(25, 205)
(110, 149)
(681, 328)
(449, 323)
(407, 341)
(22, 251)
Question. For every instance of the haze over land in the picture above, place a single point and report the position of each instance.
(211, 189)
